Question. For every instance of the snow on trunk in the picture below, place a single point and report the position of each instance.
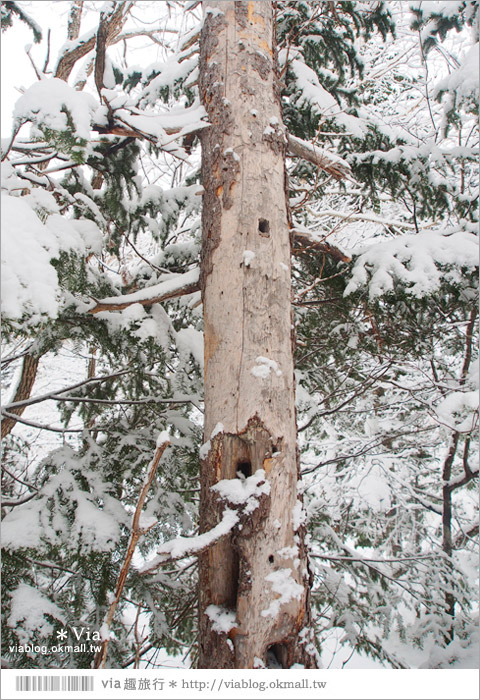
(259, 572)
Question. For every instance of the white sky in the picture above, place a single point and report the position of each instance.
(16, 69)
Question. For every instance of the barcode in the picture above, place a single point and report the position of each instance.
(53, 683)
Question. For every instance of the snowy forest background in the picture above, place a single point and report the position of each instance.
(102, 324)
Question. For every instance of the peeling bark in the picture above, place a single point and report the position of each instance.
(249, 378)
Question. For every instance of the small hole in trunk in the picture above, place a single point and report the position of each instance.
(264, 226)
(244, 469)
(276, 656)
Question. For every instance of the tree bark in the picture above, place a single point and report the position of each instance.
(22, 392)
(259, 573)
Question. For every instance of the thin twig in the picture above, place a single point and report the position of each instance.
(137, 532)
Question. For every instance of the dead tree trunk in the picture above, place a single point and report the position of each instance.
(254, 584)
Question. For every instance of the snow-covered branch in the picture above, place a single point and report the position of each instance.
(182, 547)
(179, 285)
(323, 159)
(354, 216)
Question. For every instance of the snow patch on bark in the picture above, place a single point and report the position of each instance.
(245, 491)
(287, 589)
(163, 437)
(264, 366)
(105, 633)
(248, 256)
(205, 448)
(223, 620)
(299, 515)
(290, 553)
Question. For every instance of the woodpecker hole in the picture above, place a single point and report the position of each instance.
(277, 656)
(244, 468)
(264, 227)
(270, 559)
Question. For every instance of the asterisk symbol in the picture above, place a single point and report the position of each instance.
(62, 634)
(173, 684)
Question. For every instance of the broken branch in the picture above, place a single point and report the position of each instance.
(307, 242)
(329, 162)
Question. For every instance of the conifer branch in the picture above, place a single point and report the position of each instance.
(13, 7)
(156, 296)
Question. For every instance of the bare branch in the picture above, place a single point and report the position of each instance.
(184, 547)
(17, 478)
(74, 20)
(19, 501)
(114, 26)
(47, 57)
(468, 345)
(101, 54)
(461, 538)
(16, 128)
(57, 394)
(307, 242)
(39, 426)
(37, 72)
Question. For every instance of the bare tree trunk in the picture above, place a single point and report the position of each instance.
(256, 577)
(447, 538)
(22, 392)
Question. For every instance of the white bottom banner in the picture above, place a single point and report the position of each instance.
(221, 684)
